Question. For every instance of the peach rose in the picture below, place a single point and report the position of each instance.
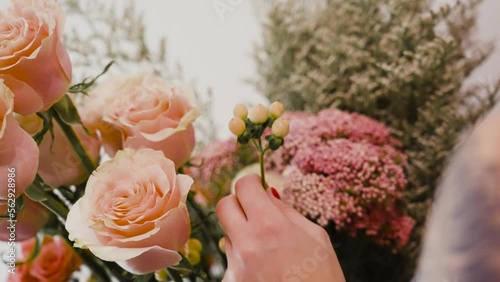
(133, 212)
(18, 151)
(29, 220)
(56, 262)
(59, 163)
(33, 61)
(144, 112)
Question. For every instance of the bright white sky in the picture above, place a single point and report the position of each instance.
(217, 53)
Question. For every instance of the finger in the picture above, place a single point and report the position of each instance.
(227, 247)
(231, 216)
(233, 262)
(254, 199)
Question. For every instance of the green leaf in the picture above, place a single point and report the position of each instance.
(19, 205)
(143, 278)
(67, 110)
(174, 274)
(83, 86)
(35, 192)
(47, 126)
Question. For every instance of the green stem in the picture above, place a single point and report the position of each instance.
(262, 170)
(174, 275)
(75, 142)
(49, 202)
(262, 152)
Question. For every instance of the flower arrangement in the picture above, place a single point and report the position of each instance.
(346, 169)
(335, 167)
(407, 64)
(104, 175)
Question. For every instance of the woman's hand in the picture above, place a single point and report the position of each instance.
(269, 241)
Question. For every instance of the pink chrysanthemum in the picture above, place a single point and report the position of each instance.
(346, 169)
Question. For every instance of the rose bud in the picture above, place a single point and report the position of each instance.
(240, 111)
(276, 109)
(280, 128)
(258, 114)
(237, 126)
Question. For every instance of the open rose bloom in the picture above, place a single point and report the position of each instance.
(17, 149)
(56, 262)
(133, 212)
(144, 112)
(33, 61)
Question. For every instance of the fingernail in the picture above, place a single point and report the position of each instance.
(275, 193)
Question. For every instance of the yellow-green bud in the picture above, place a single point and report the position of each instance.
(280, 128)
(161, 275)
(237, 126)
(222, 244)
(276, 109)
(258, 114)
(240, 111)
(195, 245)
(193, 257)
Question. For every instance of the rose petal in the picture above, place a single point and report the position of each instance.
(17, 150)
(150, 261)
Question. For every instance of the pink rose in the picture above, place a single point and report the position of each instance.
(33, 61)
(56, 262)
(144, 112)
(60, 164)
(29, 220)
(18, 151)
(133, 212)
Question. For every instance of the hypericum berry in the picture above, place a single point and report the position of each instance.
(280, 128)
(195, 244)
(222, 244)
(240, 111)
(258, 114)
(161, 275)
(275, 142)
(276, 109)
(237, 126)
(193, 257)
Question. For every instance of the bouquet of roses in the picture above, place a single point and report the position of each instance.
(145, 213)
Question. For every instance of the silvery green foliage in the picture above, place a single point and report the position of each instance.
(463, 238)
(397, 61)
(392, 60)
(100, 31)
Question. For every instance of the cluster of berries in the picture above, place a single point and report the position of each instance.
(248, 125)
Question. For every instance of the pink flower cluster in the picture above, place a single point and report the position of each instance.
(212, 168)
(345, 168)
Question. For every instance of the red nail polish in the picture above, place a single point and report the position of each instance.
(275, 193)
